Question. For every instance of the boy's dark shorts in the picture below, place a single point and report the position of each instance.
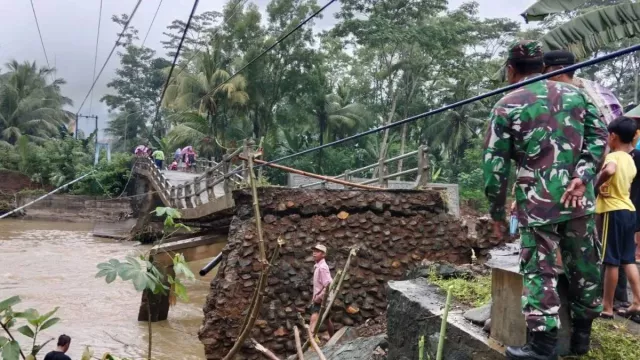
(315, 308)
(618, 237)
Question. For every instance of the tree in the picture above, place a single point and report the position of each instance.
(216, 96)
(137, 86)
(588, 28)
(200, 31)
(29, 104)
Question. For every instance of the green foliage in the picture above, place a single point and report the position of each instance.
(474, 292)
(35, 323)
(145, 276)
(141, 272)
(170, 215)
(109, 179)
(613, 340)
(30, 104)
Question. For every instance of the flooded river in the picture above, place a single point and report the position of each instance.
(51, 264)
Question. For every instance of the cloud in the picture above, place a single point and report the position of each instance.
(69, 32)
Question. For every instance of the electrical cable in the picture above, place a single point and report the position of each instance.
(183, 67)
(173, 65)
(235, 11)
(124, 29)
(488, 94)
(40, 34)
(150, 26)
(95, 59)
(280, 40)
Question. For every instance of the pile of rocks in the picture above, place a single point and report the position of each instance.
(486, 239)
(394, 231)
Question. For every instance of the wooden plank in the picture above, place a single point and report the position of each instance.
(507, 322)
(508, 325)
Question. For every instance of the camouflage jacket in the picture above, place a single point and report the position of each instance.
(553, 133)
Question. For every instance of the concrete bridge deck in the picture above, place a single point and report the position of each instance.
(197, 196)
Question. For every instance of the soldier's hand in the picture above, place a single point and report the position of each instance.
(573, 195)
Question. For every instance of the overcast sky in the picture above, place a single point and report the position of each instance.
(69, 32)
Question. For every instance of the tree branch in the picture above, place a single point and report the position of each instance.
(6, 329)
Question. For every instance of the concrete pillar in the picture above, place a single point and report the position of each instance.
(159, 302)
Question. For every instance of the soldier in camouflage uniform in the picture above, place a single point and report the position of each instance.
(556, 137)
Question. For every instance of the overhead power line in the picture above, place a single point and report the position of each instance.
(150, 26)
(501, 90)
(182, 68)
(280, 40)
(124, 29)
(235, 10)
(95, 58)
(173, 65)
(40, 34)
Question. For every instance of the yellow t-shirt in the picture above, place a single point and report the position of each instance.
(615, 193)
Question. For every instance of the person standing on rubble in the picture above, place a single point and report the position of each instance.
(556, 137)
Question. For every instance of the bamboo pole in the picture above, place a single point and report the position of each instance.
(314, 345)
(443, 326)
(315, 176)
(254, 309)
(266, 352)
(256, 302)
(256, 210)
(296, 334)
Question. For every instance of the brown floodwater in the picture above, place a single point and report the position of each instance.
(53, 264)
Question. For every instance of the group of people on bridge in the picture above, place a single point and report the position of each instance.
(576, 193)
(185, 157)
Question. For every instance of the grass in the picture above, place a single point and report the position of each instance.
(475, 292)
(612, 340)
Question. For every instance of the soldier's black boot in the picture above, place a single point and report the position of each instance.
(541, 346)
(581, 336)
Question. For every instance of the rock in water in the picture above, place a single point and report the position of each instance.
(479, 315)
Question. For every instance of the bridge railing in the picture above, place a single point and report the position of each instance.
(199, 191)
(383, 176)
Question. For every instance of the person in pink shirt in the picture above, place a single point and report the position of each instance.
(321, 281)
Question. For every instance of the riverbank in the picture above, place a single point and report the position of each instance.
(51, 264)
(74, 208)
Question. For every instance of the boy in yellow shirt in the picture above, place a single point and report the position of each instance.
(619, 218)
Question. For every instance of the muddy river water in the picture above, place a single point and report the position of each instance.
(50, 264)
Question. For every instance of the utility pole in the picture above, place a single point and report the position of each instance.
(95, 117)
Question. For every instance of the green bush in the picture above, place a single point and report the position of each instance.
(109, 179)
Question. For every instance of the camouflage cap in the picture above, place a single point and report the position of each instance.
(525, 49)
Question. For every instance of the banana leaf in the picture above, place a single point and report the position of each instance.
(543, 8)
(589, 32)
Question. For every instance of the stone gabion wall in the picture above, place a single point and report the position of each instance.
(392, 229)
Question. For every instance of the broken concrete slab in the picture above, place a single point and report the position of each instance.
(415, 309)
(479, 315)
(357, 349)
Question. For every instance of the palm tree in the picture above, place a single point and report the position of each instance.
(337, 117)
(29, 104)
(455, 128)
(595, 27)
(599, 23)
(218, 103)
